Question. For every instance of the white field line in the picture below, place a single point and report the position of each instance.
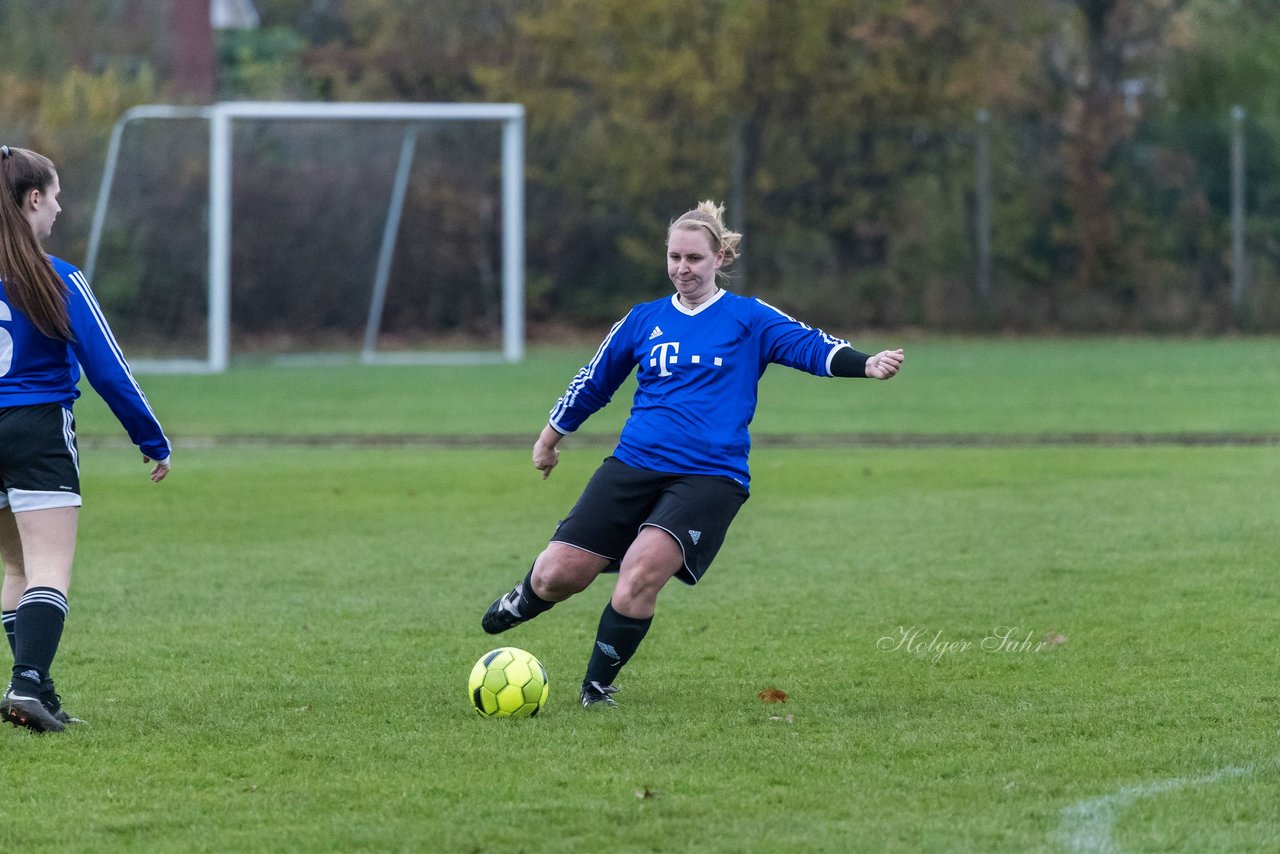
(1086, 825)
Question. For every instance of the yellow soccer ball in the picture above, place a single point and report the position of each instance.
(508, 683)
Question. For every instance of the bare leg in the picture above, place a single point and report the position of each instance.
(48, 545)
(558, 573)
(15, 578)
(563, 570)
(653, 559)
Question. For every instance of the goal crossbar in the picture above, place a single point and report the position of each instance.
(221, 117)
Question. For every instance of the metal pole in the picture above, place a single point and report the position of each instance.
(513, 238)
(982, 214)
(219, 240)
(1239, 273)
(392, 227)
(104, 194)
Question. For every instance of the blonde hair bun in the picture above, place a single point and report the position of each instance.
(709, 216)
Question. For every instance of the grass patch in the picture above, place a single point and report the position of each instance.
(272, 647)
(272, 651)
(992, 386)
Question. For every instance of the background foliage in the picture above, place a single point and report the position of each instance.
(841, 135)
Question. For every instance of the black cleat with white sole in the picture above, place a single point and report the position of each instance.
(503, 613)
(595, 694)
(24, 711)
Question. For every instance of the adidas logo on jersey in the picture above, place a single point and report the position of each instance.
(656, 333)
(695, 536)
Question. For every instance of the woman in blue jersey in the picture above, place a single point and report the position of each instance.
(51, 328)
(660, 506)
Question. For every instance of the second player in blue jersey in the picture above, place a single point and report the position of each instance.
(51, 329)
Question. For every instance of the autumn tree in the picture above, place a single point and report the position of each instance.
(809, 117)
(1101, 67)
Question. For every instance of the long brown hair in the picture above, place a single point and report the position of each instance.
(30, 282)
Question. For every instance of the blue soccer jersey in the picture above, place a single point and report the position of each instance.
(697, 379)
(35, 368)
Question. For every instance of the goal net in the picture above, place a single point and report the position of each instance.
(312, 232)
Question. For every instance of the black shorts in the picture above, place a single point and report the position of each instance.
(620, 499)
(39, 463)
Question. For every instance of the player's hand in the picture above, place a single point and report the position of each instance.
(885, 364)
(161, 470)
(545, 458)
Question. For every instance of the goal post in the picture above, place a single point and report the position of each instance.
(222, 118)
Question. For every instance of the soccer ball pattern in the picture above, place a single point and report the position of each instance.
(508, 683)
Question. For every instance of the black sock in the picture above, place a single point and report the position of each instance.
(37, 632)
(49, 695)
(531, 604)
(617, 639)
(8, 618)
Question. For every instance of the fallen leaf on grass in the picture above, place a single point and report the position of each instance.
(647, 794)
(773, 695)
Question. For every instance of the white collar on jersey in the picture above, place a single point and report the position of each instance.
(684, 309)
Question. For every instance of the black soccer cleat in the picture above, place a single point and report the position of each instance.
(503, 613)
(21, 710)
(595, 694)
(53, 703)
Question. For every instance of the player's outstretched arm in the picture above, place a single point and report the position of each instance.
(885, 364)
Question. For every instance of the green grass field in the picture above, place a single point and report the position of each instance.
(999, 387)
(987, 644)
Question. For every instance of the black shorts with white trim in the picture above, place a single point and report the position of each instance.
(39, 461)
(620, 500)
